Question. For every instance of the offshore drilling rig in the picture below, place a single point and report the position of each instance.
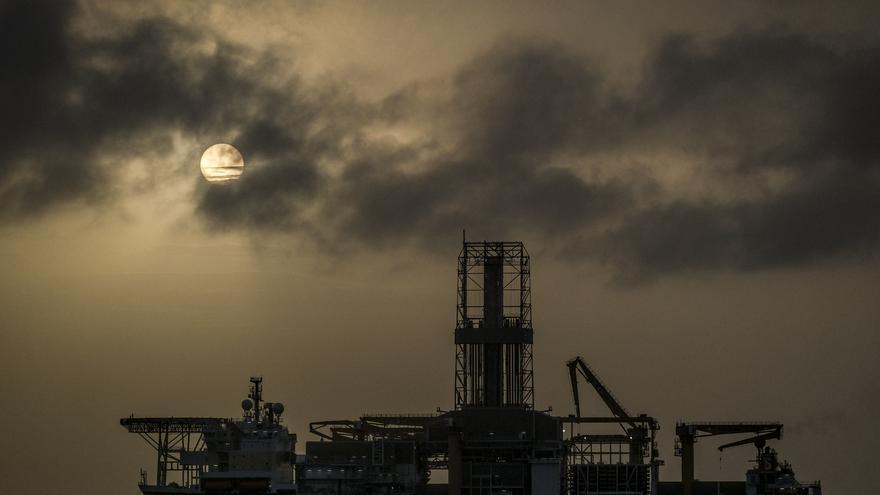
(493, 441)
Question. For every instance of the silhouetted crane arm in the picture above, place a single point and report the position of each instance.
(574, 388)
(688, 433)
(578, 365)
(757, 440)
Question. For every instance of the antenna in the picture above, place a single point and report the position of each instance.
(257, 395)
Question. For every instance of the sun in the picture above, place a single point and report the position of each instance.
(222, 163)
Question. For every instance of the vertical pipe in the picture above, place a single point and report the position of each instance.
(493, 291)
(517, 374)
(463, 369)
(655, 469)
(493, 317)
(159, 461)
(469, 393)
(462, 285)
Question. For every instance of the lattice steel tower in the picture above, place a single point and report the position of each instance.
(493, 332)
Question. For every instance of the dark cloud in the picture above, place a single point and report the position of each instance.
(498, 181)
(833, 216)
(742, 106)
(271, 201)
(75, 104)
(529, 100)
(520, 146)
(40, 142)
(380, 206)
(515, 109)
(754, 103)
(766, 98)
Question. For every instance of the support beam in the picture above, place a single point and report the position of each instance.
(687, 464)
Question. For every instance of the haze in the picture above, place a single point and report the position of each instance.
(698, 184)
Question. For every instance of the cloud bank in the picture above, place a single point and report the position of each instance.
(772, 136)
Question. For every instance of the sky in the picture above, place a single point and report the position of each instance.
(698, 184)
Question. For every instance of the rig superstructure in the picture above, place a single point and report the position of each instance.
(492, 442)
(213, 455)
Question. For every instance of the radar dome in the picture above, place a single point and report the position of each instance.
(277, 408)
(247, 404)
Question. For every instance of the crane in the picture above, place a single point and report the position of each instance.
(639, 432)
(579, 365)
(687, 434)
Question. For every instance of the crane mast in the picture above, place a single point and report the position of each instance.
(578, 365)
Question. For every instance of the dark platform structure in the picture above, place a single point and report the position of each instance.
(175, 440)
(492, 442)
(496, 441)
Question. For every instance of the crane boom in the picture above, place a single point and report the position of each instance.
(757, 440)
(688, 433)
(572, 372)
(579, 365)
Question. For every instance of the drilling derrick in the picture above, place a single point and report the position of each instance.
(493, 442)
(493, 334)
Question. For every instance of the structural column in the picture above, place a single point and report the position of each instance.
(493, 318)
(687, 464)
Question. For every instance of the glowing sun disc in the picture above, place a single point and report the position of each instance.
(222, 163)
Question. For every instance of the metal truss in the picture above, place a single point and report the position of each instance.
(510, 334)
(374, 426)
(517, 283)
(172, 439)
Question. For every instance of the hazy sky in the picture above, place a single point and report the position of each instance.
(698, 184)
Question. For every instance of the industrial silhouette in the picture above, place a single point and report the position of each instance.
(492, 442)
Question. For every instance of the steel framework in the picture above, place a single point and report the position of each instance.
(374, 427)
(607, 463)
(174, 439)
(493, 333)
